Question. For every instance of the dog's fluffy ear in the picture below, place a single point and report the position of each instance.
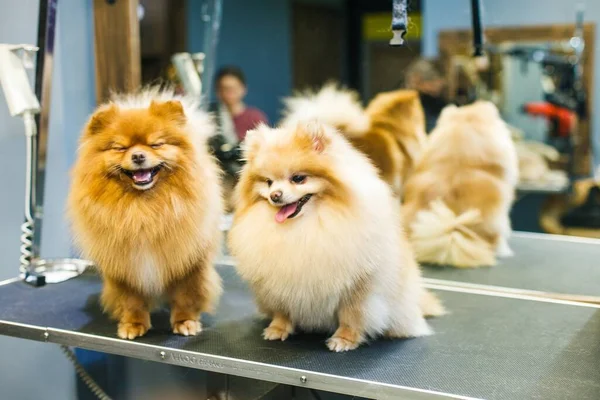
(317, 133)
(253, 141)
(102, 118)
(172, 109)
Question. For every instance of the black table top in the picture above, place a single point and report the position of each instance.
(488, 347)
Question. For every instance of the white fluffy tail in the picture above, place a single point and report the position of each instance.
(331, 105)
(439, 236)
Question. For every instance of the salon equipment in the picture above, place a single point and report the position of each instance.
(562, 65)
(195, 72)
(229, 155)
(399, 22)
(188, 74)
(22, 102)
(33, 105)
(189, 69)
(199, 59)
(477, 28)
(564, 101)
(562, 120)
(212, 11)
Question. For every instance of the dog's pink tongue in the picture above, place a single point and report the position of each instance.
(285, 211)
(141, 176)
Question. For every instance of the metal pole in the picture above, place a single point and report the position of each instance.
(477, 28)
(43, 89)
(212, 14)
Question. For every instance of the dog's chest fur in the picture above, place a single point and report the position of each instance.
(311, 273)
(146, 271)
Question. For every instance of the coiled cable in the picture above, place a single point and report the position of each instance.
(83, 374)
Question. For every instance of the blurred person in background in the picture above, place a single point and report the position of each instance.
(233, 119)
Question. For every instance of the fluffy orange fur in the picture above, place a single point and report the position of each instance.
(342, 264)
(391, 131)
(156, 240)
(396, 136)
(457, 202)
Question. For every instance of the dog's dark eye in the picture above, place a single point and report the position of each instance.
(298, 179)
(269, 182)
(156, 145)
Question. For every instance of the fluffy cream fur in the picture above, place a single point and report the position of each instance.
(457, 202)
(439, 236)
(343, 265)
(331, 105)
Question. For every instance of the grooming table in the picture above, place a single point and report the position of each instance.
(492, 345)
(542, 263)
(524, 188)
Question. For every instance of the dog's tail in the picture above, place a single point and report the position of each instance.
(331, 105)
(439, 236)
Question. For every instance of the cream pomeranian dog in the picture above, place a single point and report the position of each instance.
(457, 202)
(145, 206)
(317, 235)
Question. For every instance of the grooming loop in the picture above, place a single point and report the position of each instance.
(399, 22)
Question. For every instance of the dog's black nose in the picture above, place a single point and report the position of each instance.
(138, 158)
(276, 196)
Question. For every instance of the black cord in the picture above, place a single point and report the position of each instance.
(315, 394)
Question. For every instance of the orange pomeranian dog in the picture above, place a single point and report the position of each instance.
(317, 235)
(457, 202)
(391, 131)
(145, 206)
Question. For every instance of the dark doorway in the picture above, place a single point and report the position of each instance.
(318, 44)
(162, 33)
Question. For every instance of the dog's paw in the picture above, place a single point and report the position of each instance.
(503, 250)
(339, 344)
(276, 333)
(187, 327)
(128, 330)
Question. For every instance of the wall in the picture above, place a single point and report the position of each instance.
(456, 14)
(255, 35)
(39, 370)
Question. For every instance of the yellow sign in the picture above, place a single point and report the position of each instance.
(378, 26)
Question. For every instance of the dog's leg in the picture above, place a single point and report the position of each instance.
(197, 292)
(351, 320)
(409, 323)
(503, 250)
(407, 318)
(279, 328)
(129, 308)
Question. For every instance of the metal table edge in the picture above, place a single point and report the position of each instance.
(501, 292)
(223, 365)
(551, 236)
(22, 331)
